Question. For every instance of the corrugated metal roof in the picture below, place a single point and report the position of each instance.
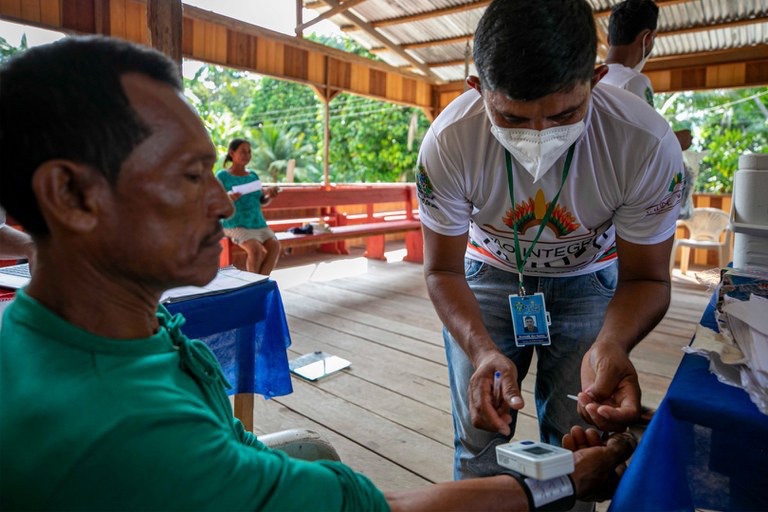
(685, 28)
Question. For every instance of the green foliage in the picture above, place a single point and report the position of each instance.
(220, 96)
(369, 140)
(7, 49)
(282, 103)
(725, 124)
(346, 44)
(273, 147)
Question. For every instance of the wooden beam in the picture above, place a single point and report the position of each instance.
(410, 18)
(446, 63)
(732, 56)
(164, 21)
(602, 13)
(437, 42)
(271, 35)
(330, 12)
(719, 25)
(370, 30)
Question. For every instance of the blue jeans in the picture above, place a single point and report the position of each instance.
(577, 306)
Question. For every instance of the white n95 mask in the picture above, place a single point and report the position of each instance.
(537, 150)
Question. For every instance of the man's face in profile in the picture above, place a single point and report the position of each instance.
(163, 224)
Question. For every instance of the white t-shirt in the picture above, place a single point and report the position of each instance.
(630, 80)
(625, 179)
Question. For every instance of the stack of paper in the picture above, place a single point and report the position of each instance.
(228, 278)
(738, 354)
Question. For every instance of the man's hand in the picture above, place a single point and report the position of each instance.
(610, 399)
(491, 412)
(598, 467)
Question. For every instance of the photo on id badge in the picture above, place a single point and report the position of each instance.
(529, 320)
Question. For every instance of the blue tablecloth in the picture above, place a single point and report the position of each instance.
(706, 447)
(247, 330)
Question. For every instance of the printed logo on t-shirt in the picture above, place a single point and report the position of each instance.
(531, 213)
(649, 96)
(424, 188)
(672, 199)
(564, 243)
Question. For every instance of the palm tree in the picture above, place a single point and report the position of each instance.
(274, 146)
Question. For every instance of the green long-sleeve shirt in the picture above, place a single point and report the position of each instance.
(91, 423)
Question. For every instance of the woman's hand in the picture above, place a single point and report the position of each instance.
(234, 196)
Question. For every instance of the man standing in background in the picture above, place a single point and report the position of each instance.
(631, 34)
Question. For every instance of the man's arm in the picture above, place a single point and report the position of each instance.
(460, 313)
(597, 472)
(611, 393)
(15, 244)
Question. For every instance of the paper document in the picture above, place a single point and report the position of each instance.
(248, 187)
(316, 365)
(228, 278)
(15, 276)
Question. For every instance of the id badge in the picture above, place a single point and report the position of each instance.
(530, 320)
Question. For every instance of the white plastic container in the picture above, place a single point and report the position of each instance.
(749, 212)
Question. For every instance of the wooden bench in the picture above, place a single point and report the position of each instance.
(349, 211)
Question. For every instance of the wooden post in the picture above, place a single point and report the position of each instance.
(326, 143)
(164, 20)
(299, 18)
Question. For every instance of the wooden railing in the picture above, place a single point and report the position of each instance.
(350, 212)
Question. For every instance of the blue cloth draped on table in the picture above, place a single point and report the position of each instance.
(706, 447)
(247, 330)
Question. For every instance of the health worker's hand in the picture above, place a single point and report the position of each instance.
(489, 412)
(234, 196)
(599, 466)
(610, 399)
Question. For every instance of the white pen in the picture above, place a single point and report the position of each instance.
(497, 386)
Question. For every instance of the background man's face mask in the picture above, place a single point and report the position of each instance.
(537, 151)
(639, 66)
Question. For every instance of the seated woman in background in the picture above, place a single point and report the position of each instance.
(248, 228)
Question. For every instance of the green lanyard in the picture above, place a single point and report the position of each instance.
(520, 260)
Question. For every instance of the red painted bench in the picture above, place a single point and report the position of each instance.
(388, 209)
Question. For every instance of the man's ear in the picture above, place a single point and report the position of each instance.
(600, 72)
(474, 82)
(642, 35)
(69, 194)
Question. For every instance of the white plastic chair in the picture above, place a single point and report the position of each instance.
(708, 229)
(301, 443)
